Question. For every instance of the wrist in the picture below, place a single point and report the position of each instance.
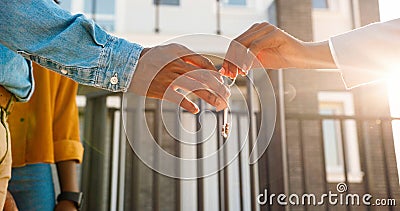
(75, 197)
(144, 51)
(66, 204)
(318, 56)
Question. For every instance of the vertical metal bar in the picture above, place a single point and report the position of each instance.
(303, 165)
(226, 173)
(363, 156)
(282, 120)
(200, 179)
(94, 8)
(218, 17)
(220, 164)
(97, 155)
(115, 115)
(122, 158)
(110, 168)
(157, 17)
(240, 162)
(344, 147)
(178, 166)
(226, 179)
(158, 138)
(385, 165)
(321, 131)
(253, 168)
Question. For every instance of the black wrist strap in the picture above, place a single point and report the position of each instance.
(76, 197)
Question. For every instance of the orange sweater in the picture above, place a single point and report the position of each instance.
(46, 129)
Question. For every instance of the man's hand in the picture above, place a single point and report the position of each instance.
(267, 46)
(163, 70)
(10, 204)
(65, 206)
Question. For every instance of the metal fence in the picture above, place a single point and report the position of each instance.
(372, 134)
(114, 178)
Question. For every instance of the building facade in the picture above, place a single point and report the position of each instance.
(331, 135)
(324, 134)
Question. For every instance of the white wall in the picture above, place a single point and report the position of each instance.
(332, 21)
(136, 19)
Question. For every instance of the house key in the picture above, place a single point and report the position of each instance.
(225, 124)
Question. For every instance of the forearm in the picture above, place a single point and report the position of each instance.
(69, 44)
(319, 56)
(67, 176)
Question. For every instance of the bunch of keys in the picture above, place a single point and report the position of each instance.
(225, 125)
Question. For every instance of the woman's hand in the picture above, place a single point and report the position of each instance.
(264, 45)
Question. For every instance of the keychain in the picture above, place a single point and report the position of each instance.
(225, 125)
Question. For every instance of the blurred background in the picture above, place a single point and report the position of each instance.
(325, 134)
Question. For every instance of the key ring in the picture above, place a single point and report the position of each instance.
(232, 83)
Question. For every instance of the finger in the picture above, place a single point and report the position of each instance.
(217, 75)
(211, 99)
(246, 56)
(184, 68)
(199, 61)
(179, 99)
(210, 90)
(268, 41)
(189, 56)
(232, 60)
(208, 79)
(237, 54)
(254, 27)
(262, 29)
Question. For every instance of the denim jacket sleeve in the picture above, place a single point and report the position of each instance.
(72, 45)
(16, 74)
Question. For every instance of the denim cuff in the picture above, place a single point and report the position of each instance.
(117, 63)
(32, 87)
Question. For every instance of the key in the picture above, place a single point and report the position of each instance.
(225, 124)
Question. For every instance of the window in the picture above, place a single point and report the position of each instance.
(320, 4)
(332, 136)
(338, 136)
(104, 12)
(167, 2)
(235, 2)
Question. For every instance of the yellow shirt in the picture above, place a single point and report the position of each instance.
(46, 129)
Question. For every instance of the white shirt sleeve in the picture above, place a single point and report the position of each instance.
(368, 54)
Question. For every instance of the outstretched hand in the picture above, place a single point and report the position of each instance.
(267, 46)
(163, 70)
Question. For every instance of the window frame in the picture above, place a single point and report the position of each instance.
(320, 8)
(354, 173)
(79, 7)
(166, 3)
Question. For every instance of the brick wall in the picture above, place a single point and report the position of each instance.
(294, 16)
(305, 151)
